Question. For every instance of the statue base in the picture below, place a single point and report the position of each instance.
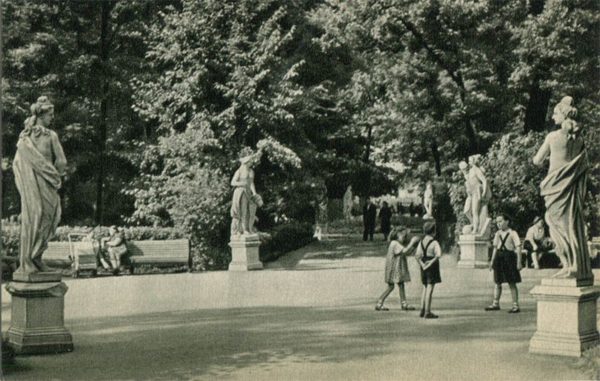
(39, 277)
(37, 318)
(566, 317)
(473, 251)
(244, 253)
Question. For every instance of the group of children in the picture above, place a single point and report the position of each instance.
(505, 263)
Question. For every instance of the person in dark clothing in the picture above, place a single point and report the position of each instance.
(385, 214)
(369, 216)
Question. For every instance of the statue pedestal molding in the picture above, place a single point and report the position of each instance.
(244, 253)
(37, 318)
(473, 251)
(566, 317)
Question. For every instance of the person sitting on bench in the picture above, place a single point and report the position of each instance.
(536, 244)
(116, 247)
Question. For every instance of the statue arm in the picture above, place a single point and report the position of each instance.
(484, 183)
(60, 161)
(235, 180)
(542, 153)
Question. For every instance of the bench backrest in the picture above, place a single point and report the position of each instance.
(58, 254)
(163, 251)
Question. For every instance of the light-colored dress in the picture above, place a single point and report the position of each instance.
(396, 265)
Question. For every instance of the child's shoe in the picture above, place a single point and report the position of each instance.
(493, 307)
(430, 315)
(514, 310)
(380, 307)
(406, 307)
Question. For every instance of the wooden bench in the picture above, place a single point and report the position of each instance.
(159, 253)
(174, 252)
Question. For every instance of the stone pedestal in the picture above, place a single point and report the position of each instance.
(566, 317)
(37, 318)
(473, 251)
(244, 253)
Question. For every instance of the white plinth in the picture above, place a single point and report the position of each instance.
(244, 253)
(473, 251)
(566, 317)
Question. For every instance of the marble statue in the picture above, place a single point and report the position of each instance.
(478, 197)
(428, 200)
(38, 166)
(348, 202)
(564, 191)
(245, 199)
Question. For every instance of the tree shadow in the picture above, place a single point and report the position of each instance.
(214, 343)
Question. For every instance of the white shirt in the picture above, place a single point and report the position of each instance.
(511, 243)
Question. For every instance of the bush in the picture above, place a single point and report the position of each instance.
(285, 238)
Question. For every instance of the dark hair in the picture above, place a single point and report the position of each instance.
(504, 216)
(429, 227)
(399, 232)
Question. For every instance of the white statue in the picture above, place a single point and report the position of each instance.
(478, 197)
(564, 192)
(245, 199)
(428, 200)
(348, 203)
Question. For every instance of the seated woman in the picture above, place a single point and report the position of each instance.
(116, 247)
(536, 244)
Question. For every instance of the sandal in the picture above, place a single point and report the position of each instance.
(493, 307)
(514, 310)
(406, 307)
(380, 307)
(430, 315)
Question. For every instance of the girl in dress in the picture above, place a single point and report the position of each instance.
(396, 267)
(428, 254)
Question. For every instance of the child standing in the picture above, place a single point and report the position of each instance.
(428, 254)
(506, 263)
(396, 267)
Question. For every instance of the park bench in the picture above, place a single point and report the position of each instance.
(156, 253)
(174, 252)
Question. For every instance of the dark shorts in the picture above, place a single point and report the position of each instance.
(505, 267)
(432, 274)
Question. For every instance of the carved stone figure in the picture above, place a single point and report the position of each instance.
(348, 202)
(478, 196)
(245, 199)
(428, 200)
(38, 166)
(564, 191)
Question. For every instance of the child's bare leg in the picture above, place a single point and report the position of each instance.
(428, 298)
(497, 294)
(385, 294)
(402, 292)
(514, 292)
(423, 296)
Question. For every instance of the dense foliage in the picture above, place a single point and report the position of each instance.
(155, 100)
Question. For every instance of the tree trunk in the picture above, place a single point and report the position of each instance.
(102, 125)
(436, 158)
(366, 160)
(537, 107)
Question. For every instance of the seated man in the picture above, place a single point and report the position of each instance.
(536, 244)
(116, 247)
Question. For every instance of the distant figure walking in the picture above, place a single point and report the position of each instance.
(369, 217)
(385, 215)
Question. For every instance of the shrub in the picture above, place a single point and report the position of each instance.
(284, 238)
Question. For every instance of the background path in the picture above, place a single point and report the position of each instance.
(307, 316)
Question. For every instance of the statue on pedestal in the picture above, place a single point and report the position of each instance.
(348, 203)
(245, 199)
(38, 166)
(564, 190)
(478, 197)
(428, 200)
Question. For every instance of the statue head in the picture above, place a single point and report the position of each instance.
(474, 159)
(42, 111)
(463, 166)
(564, 110)
(247, 156)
